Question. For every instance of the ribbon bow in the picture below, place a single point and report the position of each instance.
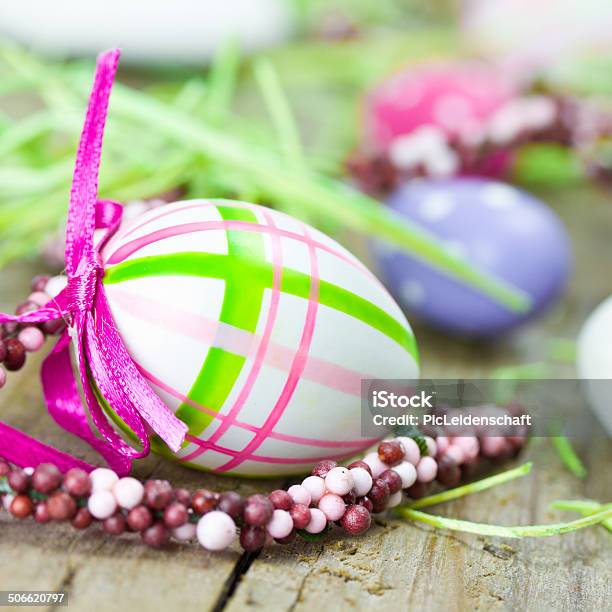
(104, 365)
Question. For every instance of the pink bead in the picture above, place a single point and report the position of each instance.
(376, 465)
(427, 469)
(395, 499)
(216, 530)
(299, 494)
(102, 505)
(128, 492)
(339, 481)
(456, 453)
(432, 447)
(362, 481)
(493, 446)
(332, 506)
(281, 524)
(318, 521)
(469, 445)
(2, 377)
(103, 479)
(185, 532)
(407, 472)
(442, 442)
(40, 298)
(56, 285)
(31, 338)
(315, 485)
(412, 452)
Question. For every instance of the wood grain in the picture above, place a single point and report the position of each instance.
(397, 565)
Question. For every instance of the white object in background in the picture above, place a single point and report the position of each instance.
(146, 30)
(594, 360)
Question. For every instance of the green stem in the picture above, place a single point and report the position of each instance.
(469, 489)
(568, 456)
(586, 507)
(527, 531)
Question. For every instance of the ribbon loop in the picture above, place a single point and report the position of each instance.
(106, 371)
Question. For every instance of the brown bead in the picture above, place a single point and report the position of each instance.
(156, 536)
(417, 490)
(139, 518)
(175, 515)
(258, 510)
(15, 355)
(379, 495)
(300, 515)
(449, 473)
(252, 538)
(62, 506)
(54, 327)
(77, 482)
(391, 452)
(2, 350)
(393, 479)
(9, 329)
(366, 502)
(82, 519)
(114, 525)
(321, 468)
(158, 494)
(39, 282)
(26, 307)
(204, 501)
(41, 513)
(5, 468)
(46, 478)
(360, 464)
(21, 506)
(183, 496)
(349, 498)
(231, 503)
(280, 499)
(356, 520)
(19, 481)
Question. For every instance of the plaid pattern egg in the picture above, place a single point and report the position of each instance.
(256, 329)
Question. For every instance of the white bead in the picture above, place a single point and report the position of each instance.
(216, 530)
(394, 499)
(318, 521)
(315, 485)
(7, 500)
(102, 505)
(103, 479)
(128, 492)
(299, 494)
(56, 285)
(376, 465)
(339, 480)
(412, 453)
(432, 447)
(362, 481)
(185, 532)
(28, 470)
(332, 506)
(407, 472)
(280, 525)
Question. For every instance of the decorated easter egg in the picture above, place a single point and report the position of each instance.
(417, 112)
(594, 360)
(182, 30)
(256, 330)
(494, 226)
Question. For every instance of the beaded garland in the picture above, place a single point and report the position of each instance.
(332, 494)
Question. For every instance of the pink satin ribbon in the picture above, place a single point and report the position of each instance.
(102, 360)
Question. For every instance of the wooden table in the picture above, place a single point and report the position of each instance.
(397, 565)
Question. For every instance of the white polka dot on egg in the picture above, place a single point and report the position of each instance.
(499, 196)
(436, 206)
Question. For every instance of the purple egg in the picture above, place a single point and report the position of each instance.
(496, 227)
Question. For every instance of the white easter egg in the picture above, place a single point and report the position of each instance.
(594, 360)
(256, 329)
(181, 30)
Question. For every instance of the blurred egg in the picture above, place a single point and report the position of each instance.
(532, 35)
(499, 229)
(414, 114)
(256, 329)
(178, 31)
(594, 360)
